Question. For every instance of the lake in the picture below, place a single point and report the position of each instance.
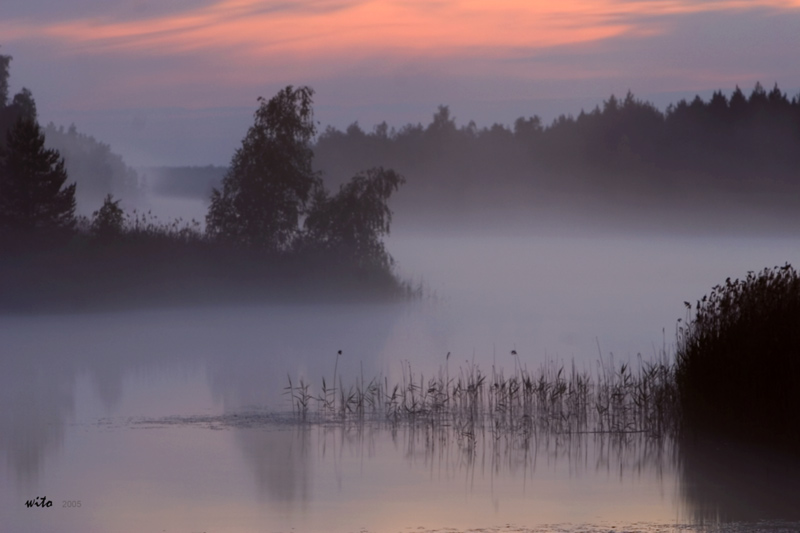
(169, 420)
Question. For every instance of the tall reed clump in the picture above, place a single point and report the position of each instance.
(738, 359)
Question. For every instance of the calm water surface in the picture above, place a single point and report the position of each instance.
(164, 420)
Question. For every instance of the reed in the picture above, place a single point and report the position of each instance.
(553, 399)
(738, 358)
(736, 371)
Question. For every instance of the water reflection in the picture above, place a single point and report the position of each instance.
(38, 402)
(441, 451)
(376, 469)
(282, 464)
(60, 376)
(725, 481)
(700, 482)
(300, 469)
(246, 354)
(43, 358)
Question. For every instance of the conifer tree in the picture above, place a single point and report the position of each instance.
(33, 194)
(4, 63)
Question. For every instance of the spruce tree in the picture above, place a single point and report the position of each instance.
(33, 194)
(4, 63)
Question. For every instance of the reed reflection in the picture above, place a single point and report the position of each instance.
(722, 481)
(618, 424)
(467, 424)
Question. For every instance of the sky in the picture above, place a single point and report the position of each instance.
(176, 82)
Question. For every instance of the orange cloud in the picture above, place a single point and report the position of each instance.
(320, 29)
(382, 24)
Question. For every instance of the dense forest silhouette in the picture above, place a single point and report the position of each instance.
(697, 157)
(628, 146)
(272, 230)
(272, 216)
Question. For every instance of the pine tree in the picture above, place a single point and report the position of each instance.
(33, 195)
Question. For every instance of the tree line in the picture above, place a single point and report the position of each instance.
(93, 166)
(730, 142)
(271, 217)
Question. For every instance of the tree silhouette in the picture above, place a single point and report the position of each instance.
(33, 195)
(737, 104)
(352, 222)
(4, 63)
(24, 104)
(108, 222)
(270, 178)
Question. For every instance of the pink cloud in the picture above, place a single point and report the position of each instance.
(317, 30)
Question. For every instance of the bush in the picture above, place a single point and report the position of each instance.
(738, 360)
(108, 221)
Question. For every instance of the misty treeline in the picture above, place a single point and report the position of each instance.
(737, 143)
(89, 162)
(94, 167)
(743, 148)
(272, 225)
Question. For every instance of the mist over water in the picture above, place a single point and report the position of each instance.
(562, 295)
(158, 377)
(559, 291)
(135, 412)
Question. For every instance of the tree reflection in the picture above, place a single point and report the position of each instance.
(281, 464)
(38, 400)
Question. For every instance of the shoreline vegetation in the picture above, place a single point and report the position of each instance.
(735, 376)
(273, 232)
(167, 270)
(301, 215)
(553, 399)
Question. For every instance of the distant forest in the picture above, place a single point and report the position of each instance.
(742, 148)
(93, 166)
(300, 209)
(741, 143)
(90, 163)
(729, 150)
